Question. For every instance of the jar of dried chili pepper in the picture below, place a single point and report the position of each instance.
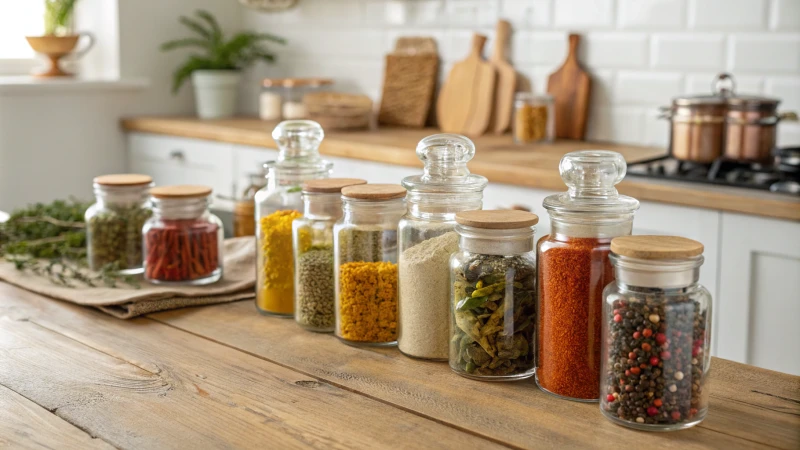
(183, 240)
(573, 270)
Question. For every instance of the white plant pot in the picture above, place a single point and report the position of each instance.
(215, 92)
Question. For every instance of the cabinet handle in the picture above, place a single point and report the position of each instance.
(177, 155)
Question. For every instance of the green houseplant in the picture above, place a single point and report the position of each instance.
(59, 39)
(215, 70)
(58, 17)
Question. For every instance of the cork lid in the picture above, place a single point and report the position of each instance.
(331, 185)
(123, 179)
(505, 219)
(656, 247)
(181, 191)
(374, 191)
(296, 82)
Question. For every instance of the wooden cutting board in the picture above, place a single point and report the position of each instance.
(506, 82)
(409, 82)
(571, 86)
(466, 100)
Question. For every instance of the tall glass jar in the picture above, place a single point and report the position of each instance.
(114, 223)
(365, 254)
(428, 238)
(656, 334)
(277, 205)
(534, 118)
(312, 239)
(574, 268)
(493, 279)
(183, 240)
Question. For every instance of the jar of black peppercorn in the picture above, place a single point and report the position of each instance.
(657, 332)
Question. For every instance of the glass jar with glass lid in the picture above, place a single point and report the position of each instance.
(312, 235)
(428, 238)
(114, 223)
(574, 268)
(656, 334)
(277, 205)
(493, 281)
(365, 255)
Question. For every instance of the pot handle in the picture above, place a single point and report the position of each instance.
(790, 116)
(664, 112)
(724, 85)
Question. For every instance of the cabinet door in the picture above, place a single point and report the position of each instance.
(759, 310)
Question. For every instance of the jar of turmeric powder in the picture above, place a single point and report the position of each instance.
(573, 270)
(280, 203)
(365, 255)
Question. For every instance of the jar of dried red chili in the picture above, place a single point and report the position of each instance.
(183, 240)
(573, 270)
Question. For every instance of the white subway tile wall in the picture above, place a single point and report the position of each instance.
(641, 53)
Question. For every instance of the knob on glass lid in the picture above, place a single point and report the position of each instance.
(445, 157)
(298, 139)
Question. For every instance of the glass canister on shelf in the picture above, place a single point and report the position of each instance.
(574, 268)
(365, 252)
(428, 239)
(656, 334)
(244, 209)
(114, 223)
(312, 235)
(282, 98)
(277, 205)
(493, 278)
(534, 118)
(183, 240)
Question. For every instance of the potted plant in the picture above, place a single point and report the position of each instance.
(59, 39)
(216, 71)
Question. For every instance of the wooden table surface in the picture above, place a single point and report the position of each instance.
(225, 377)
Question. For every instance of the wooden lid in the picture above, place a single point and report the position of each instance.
(181, 191)
(296, 82)
(374, 191)
(504, 219)
(656, 247)
(331, 185)
(123, 179)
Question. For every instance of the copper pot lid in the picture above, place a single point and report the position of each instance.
(723, 93)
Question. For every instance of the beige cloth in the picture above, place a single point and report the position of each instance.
(124, 302)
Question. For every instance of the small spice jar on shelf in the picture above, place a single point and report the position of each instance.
(183, 240)
(365, 247)
(282, 98)
(656, 334)
(114, 223)
(312, 236)
(534, 118)
(574, 268)
(493, 278)
(244, 210)
(428, 238)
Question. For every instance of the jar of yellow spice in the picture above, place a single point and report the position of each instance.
(278, 205)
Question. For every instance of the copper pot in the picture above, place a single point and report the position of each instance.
(752, 127)
(698, 128)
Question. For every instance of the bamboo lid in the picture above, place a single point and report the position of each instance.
(331, 185)
(296, 82)
(656, 247)
(500, 219)
(374, 191)
(123, 179)
(181, 191)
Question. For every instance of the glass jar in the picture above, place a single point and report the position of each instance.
(365, 254)
(244, 210)
(277, 205)
(534, 118)
(493, 279)
(574, 268)
(312, 240)
(282, 98)
(428, 238)
(656, 335)
(183, 240)
(114, 223)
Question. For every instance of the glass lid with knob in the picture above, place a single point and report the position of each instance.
(445, 157)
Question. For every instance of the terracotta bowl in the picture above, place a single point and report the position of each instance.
(55, 48)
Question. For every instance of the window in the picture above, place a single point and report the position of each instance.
(19, 18)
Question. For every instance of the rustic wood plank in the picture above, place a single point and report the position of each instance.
(761, 409)
(143, 384)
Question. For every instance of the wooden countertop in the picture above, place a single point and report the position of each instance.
(497, 158)
(225, 377)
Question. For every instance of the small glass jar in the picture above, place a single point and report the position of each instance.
(280, 203)
(574, 268)
(114, 223)
(428, 238)
(312, 238)
(244, 210)
(493, 279)
(183, 240)
(282, 98)
(365, 254)
(534, 118)
(656, 335)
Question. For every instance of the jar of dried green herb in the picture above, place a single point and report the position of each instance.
(114, 223)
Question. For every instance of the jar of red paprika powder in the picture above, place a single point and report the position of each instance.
(573, 270)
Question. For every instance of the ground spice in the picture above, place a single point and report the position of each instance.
(572, 275)
(275, 292)
(182, 250)
(368, 301)
(315, 289)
